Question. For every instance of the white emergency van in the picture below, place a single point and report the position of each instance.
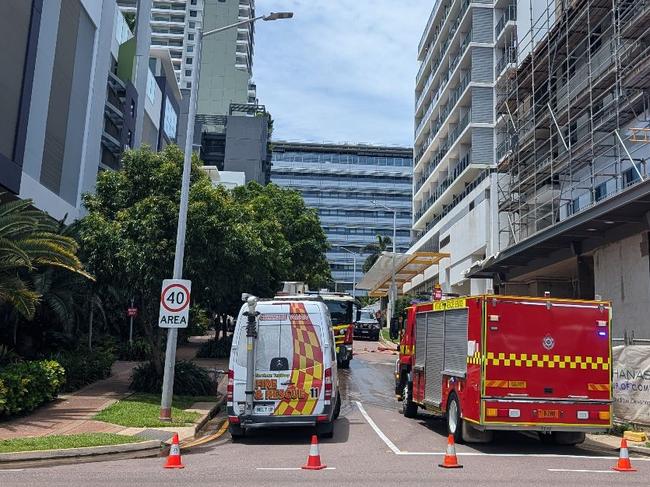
(295, 380)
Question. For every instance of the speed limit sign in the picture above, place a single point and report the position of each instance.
(174, 303)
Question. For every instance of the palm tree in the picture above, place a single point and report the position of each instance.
(30, 241)
(376, 249)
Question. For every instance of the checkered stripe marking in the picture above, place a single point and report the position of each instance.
(307, 367)
(583, 362)
(474, 359)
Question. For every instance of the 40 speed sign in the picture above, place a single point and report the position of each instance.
(174, 303)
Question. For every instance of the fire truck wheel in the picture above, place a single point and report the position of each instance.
(568, 438)
(454, 419)
(409, 408)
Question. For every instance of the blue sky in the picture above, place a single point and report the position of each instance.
(340, 71)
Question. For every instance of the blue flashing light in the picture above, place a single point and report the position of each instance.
(602, 333)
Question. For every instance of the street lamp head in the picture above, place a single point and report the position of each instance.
(278, 16)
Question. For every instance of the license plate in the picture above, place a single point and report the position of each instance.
(263, 409)
(548, 414)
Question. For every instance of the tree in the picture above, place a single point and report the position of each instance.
(300, 226)
(236, 241)
(376, 249)
(30, 241)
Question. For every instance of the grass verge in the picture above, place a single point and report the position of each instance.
(57, 442)
(143, 411)
(385, 334)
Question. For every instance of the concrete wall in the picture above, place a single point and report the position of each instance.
(246, 147)
(622, 275)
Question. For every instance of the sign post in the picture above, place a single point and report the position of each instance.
(174, 303)
(131, 313)
(437, 292)
(174, 314)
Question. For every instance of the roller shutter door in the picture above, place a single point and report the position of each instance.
(435, 357)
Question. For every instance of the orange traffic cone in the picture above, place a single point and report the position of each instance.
(450, 460)
(313, 460)
(623, 464)
(174, 458)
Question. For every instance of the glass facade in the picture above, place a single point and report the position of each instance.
(341, 182)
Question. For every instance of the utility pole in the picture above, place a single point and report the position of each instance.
(172, 334)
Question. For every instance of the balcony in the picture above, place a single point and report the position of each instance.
(509, 15)
(454, 202)
(446, 145)
(442, 52)
(443, 84)
(509, 57)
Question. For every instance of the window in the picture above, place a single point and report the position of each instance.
(189, 84)
(192, 25)
(188, 72)
(188, 60)
(193, 2)
(192, 13)
(600, 191)
(190, 48)
(190, 37)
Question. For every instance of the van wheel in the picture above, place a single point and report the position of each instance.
(345, 364)
(236, 432)
(454, 419)
(325, 430)
(337, 407)
(409, 408)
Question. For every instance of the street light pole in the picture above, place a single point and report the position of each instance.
(172, 334)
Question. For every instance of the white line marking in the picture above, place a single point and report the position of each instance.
(289, 468)
(11, 470)
(397, 451)
(579, 470)
(379, 432)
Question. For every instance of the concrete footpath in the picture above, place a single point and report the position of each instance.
(73, 413)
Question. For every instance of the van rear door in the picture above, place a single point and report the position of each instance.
(289, 360)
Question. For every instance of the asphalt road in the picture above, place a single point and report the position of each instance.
(373, 445)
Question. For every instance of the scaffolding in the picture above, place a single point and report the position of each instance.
(572, 126)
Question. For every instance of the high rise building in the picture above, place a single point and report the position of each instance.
(573, 147)
(349, 185)
(52, 97)
(227, 57)
(174, 24)
(454, 184)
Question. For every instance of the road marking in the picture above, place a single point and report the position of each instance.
(289, 468)
(11, 470)
(579, 470)
(397, 451)
(379, 432)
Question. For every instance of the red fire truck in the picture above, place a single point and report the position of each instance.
(509, 363)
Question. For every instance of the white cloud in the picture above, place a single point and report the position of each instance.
(340, 70)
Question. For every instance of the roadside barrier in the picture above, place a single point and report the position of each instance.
(313, 460)
(450, 460)
(174, 457)
(623, 464)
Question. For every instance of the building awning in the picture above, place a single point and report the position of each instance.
(622, 214)
(377, 280)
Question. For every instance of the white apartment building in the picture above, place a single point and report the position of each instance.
(454, 183)
(174, 24)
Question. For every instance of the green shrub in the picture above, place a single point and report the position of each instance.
(139, 350)
(189, 379)
(84, 367)
(26, 385)
(216, 348)
(8, 356)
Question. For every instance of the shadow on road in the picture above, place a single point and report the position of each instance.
(511, 442)
(295, 436)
